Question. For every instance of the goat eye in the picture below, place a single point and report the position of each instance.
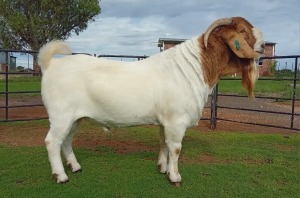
(243, 34)
(242, 31)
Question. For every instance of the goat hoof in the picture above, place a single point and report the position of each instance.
(161, 170)
(78, 171)
(76, 168)
(60, 179)
(177, 184)
(64, 182)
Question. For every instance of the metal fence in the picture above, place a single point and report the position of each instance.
(294, 117)
(5, 93)
(213, 107)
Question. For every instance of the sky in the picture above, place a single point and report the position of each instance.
(133, 27)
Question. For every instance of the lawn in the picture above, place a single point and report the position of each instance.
(212, 164)
(16, 84)
(274, 87)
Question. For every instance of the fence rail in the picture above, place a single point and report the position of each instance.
(292, 113)
(214, 106)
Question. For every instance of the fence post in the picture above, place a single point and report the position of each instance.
(6, 92)
(294, 93)
(213, 108)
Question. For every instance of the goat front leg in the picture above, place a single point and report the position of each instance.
(173, 138)
(163, 152)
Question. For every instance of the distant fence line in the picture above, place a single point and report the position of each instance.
(214, 97)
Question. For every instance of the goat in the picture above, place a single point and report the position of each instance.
(168, 89)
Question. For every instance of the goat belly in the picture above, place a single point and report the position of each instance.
(124, 103)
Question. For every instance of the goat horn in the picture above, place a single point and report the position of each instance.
(214, 25)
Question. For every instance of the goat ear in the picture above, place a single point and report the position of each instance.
(238, 44)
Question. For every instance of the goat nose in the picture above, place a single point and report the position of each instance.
(263, 45)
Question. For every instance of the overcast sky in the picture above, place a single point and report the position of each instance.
(133, 27)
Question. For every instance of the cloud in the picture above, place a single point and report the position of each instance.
(134, 27)
(121, 35)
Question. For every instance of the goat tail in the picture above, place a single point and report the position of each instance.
(49, 50)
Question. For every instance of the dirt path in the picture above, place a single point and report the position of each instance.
(280, 120)
(33, 133)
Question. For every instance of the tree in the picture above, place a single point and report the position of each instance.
(29, 24)
(273, 67)
(20, 68)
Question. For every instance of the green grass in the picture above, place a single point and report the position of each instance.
(214, 164)
(21, 84)
(279, 88)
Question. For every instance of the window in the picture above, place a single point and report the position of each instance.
(3, 57)
(259, 62)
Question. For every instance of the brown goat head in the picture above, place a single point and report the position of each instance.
(230, 46)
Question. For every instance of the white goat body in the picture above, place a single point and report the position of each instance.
(150, 91)
(169, 89)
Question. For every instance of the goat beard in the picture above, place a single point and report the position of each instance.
(249, 76)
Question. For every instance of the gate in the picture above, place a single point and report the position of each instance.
(294, 117)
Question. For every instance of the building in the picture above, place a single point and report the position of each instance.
(166, 43)
(3, 60)
(11, 61)
(264, 65)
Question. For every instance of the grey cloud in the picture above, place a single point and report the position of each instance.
(135, 25)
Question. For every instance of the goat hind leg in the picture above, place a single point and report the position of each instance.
(54, 140)
(68, 151)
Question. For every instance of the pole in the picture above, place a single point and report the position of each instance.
(6, 89)
(294, 93)
(213, 108)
